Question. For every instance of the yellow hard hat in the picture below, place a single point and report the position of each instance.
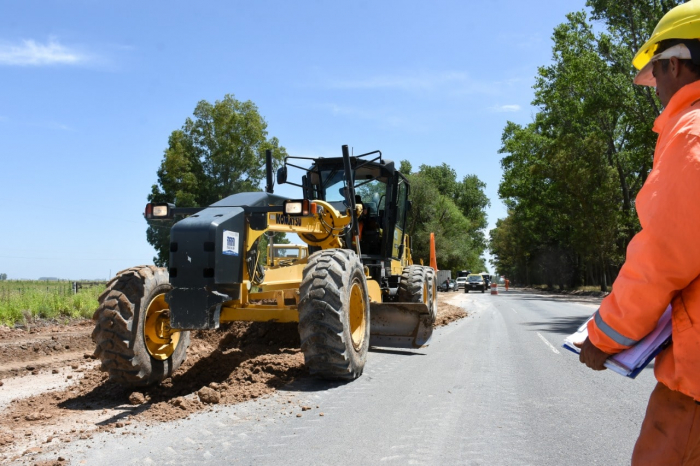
(682, 22)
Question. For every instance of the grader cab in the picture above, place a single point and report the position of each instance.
(353, 285)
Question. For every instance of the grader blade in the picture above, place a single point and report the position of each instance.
(400, 325)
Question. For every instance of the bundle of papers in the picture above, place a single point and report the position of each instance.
(631, 361)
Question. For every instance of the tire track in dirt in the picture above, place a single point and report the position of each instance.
(23, 351)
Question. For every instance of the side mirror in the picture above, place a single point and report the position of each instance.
(314, 178)
(282, 175)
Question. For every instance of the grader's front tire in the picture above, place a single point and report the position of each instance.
(134, 341)
(334, 315)
(418, 285)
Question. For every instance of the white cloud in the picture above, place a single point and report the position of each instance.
(32, 53)
(505, 108)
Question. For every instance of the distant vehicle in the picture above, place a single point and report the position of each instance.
(475, 282)
(460, 282)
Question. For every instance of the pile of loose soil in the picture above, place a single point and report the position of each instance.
(447, 312)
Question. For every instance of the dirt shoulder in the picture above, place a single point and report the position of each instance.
(554, 291)
(52, 391)
(26, 350)
(448, 312)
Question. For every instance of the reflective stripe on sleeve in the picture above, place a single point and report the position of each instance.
(612, 333)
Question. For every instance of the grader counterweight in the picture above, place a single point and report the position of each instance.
(357, 287)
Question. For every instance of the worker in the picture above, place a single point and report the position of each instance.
(507, 284)
(663, 259)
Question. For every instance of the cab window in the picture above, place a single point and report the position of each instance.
(401, 204)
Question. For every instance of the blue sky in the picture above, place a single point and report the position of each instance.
(91, 90)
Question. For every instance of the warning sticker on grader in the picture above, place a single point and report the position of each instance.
(230, 243)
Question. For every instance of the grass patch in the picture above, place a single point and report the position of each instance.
(22, 301)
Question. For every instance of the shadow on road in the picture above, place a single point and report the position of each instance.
(557, 299)
(533, 295)
(562, 325)
(312, 384)
(395, 351)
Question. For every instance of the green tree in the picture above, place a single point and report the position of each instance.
(571, 176)
(443, 177)
(471, 200)
(217, 153)
(459, 241)
(3, 276)
(468, 195)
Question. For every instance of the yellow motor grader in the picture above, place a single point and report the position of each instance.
(358, 286)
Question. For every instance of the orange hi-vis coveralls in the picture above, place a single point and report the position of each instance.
(663, 260)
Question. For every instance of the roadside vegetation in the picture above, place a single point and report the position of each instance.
(571, 176)
(23, 301)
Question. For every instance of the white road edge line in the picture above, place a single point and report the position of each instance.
(548, 343)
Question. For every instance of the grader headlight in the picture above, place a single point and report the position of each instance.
(161, 211)
(300, 207)
(293, 207)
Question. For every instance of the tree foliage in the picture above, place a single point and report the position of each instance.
(3, 276)
(571, 176)
(217, 153)
(453, 210)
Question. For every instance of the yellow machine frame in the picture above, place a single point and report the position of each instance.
(276, 299)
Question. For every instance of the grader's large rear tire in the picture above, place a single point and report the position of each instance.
(417, 285)
(134, 341)
(334, 315)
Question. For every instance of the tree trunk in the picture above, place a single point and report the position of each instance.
(603, 278)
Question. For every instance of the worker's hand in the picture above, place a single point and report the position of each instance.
(592, 356)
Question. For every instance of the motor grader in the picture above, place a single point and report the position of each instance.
(357, 288)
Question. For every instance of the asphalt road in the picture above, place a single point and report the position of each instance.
(495, 388)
